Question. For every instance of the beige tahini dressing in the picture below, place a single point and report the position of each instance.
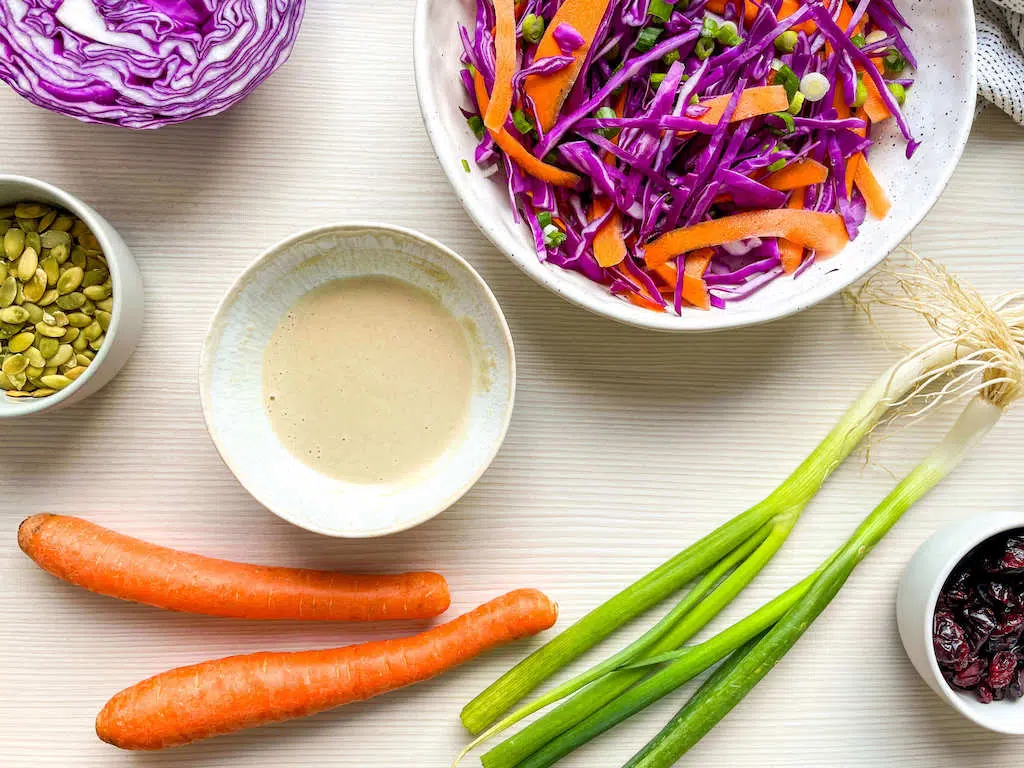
(368, 379)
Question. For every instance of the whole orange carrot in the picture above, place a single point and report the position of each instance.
(226, 695)
(116, 565)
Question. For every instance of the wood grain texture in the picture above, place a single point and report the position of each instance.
(624, 447)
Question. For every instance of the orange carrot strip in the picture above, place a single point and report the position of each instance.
(875, 107)
(875, 197)
(697, 262)
(792, 253)
(609, 247)
(851, 172)
(519, 154)
(505, 65)
(225, 695)
(549, 92)
(802, 173)
(759, 100)
(695, 290)
(822, 231)
(643, 301)
(116, 565)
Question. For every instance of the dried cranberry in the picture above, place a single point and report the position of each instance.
(1008, 631)
(984, 693)
(970, 676)
(1015, 689)
(1000, 671)
(958, 587)
(998, 694)
(1012, 559)
(997, 593)
(949, 641)
(979, 621)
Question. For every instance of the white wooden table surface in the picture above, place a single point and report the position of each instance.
(624, 447)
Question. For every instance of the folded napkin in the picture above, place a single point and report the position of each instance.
(1001, 55)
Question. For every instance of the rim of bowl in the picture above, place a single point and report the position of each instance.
(83, 211)
(993, 528)
(553, 280)
(211, 341)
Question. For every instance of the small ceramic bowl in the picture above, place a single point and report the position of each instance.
(919, 588)
(230, 379)
(126, 317)
(940, 110)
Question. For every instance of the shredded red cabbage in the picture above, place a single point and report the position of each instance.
(658, 164)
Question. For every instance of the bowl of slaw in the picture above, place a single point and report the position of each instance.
(728, 56)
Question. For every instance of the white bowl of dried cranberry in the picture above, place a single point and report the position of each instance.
(960, 611)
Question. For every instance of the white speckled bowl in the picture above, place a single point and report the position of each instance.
(126, 318)
(230, 379)
(919, 589)
(940, 109)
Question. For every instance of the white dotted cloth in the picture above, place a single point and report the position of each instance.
(1001, 55)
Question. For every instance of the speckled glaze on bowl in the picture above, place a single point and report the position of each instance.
(231, 387)
(940, 108)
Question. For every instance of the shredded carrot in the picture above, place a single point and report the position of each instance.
(643, 301)
(875, 107)
(759, 100)
(750, 10)
(851, 172)
(695, 290)
(519, 154)
(698, 261)
(120, 566)
(875, 197)
(792, 253)
(802, 173)
(609, 247)
(505, 65)
(225, 695)
(549, 92)
(821, 231)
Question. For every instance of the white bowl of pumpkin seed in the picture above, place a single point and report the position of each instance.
(71, 298)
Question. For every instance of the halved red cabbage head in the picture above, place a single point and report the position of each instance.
(143, 63)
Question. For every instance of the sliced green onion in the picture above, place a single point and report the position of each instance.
(647, 38)
(898, 92)
(787, 118)
(661, 10)
(670, 58)
(465, 166)
(814, 86)
(704, 48)
(657, 78)
(544, 219)
(533, 28)
(727, 35)
(522, 123)
(709, 28)
(553, 236)
(894, 62)
(861, 95)
(787, 78)
(551, 158)
(796, 104)
(606, 113)
(778, 165)
(859, 40)
(786, 42)
(476, 125)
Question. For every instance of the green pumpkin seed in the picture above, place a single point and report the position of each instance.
(84, 358)
(52, 270)
(89, 241)
(61, 253)
(21, 342)
(56, 381)
(27, 264)
(88, 307)
(28, 225)
(51, 331)
(79, 320)
(96, 343)
(8, 291)
(53, 237)
(74, 373)
(97, 292)
(35, 312)
(47, 220)
(35, 358)
(49, 370)
(18, 380)
(95, 277)
(33, 291)
(78, 256)
(70, 280)
(71, 301)
(33, 241)
(6, 211)
(64, 354)
(13, 315)
(79, 228)
(14, 365)
(103, 318)
(30, 210)
(47, 347)
(44, 392)
(92, 331)
(81, 344)
(5, 383)
(14, 243)
(70, 334)
(49, 297)
(16, 393)
(3, 271)
(63, 223)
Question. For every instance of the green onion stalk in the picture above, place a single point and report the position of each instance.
(722, 563)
